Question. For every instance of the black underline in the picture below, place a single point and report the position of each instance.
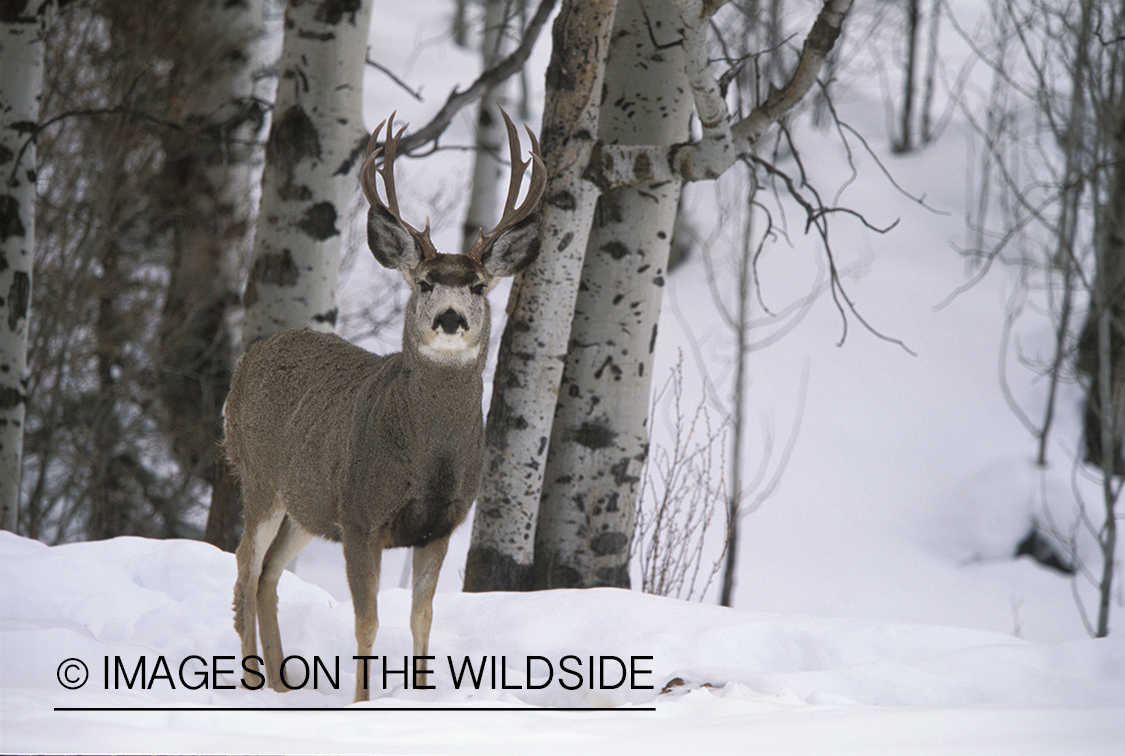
(353, 708)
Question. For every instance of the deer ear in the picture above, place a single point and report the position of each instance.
(514, 249)
(391, 243)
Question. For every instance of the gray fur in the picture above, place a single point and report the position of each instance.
(377, 452)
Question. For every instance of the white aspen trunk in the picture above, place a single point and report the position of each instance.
(312, 159)
(599, 440)
(723, 141)
(317, 141)
(533, 347)
(206, 189)
(534, 343)
(22, 29)
(491, 134)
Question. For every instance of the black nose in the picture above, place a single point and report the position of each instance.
(451, 320)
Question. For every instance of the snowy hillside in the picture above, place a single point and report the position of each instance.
(753, 682)
(880, 606)
(911, 483)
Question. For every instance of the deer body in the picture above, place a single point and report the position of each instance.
(373, 451)
(382, 424)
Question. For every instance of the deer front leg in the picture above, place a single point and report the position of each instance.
(426, 567)
(363, 557)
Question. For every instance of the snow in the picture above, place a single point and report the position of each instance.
(752, 680)
(879, 610)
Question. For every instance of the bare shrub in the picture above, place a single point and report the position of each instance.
(681, 487)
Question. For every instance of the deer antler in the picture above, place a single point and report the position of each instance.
(367, 180)
(512, 214)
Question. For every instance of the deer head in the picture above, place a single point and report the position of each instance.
(447, 314)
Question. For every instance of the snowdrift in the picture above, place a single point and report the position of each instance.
(148, 623)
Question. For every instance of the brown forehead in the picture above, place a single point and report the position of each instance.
(451, 270)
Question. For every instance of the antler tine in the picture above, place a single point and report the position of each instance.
(513, 214)
(389, 151)
(366, 177)
(519, 167)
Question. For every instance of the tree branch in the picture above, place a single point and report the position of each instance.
(416, 94)
(721, 144)
(491, 77)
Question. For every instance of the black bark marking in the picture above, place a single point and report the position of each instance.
(275, 268)
(642, 168)
(595, 435)
(10, 222)
(319, 221)
(501, 420)
(621, 474)
(487, 569)
(600, 164)
(333, 11)
(615, 249)
(614, 369)
(10, 398)
(563, 200)
(327, 317)
(607, 544)
(293, 138)
(612, 577)
(19, 297)
(560, 76)
(358, 152)
(562, 576)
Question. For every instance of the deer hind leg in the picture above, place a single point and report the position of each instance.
(363, 558)
(257, 535)
(426, 567)
(290, 539)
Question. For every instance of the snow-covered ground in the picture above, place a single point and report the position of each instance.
(755, 682)
(879, 610)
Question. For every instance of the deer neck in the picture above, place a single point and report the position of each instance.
(444, 383)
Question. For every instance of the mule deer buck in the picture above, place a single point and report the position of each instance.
(375, 451)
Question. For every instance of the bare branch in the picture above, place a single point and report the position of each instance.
(709, 103)
(816, 217)
(415, 93)
(825, 32)
(721, 144)
(489, 79)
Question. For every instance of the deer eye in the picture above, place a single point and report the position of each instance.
(425, 287)
(477, 289)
